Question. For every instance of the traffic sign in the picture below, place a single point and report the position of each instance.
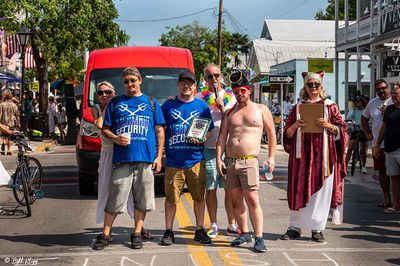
(34, 86)
(281, 79)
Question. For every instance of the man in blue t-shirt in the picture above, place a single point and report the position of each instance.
(134, 122)
(184, 156)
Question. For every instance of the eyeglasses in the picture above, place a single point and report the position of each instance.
(312, 85)
(126, 81)
(381, 89)
(239, 91)
(106, 92)
(213, 75)
(185, 83)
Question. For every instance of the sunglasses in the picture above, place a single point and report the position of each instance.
(313, 85)
(239, 91)
(106, 92)
(186, 83)
(126, 81)
(213, 75)
(381, 89)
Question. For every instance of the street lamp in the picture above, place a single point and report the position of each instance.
(23, 35)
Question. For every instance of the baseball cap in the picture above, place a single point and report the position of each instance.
(187, 75)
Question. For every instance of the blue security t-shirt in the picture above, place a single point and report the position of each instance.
(134, 115)
(178, 115)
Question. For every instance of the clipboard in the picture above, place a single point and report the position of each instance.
(309, 112)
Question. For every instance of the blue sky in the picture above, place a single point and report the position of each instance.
(248, 15)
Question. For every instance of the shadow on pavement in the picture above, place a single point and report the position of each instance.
(367, 221)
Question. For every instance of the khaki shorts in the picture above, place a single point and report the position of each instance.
(242, 173)
(194, 177)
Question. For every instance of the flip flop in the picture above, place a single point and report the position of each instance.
(391, 210)
(384, 204)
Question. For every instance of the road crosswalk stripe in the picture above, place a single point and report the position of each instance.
(228, 255)
(199, 254)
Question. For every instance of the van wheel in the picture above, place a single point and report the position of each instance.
(86, 187)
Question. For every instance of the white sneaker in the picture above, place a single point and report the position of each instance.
(364, 170)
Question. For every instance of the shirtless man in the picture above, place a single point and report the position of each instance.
(244, 125)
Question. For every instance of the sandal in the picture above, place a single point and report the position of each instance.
(391, 210)
(384, 204)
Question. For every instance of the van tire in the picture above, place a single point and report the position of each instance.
(86, 187)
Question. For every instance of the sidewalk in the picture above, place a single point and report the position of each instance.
(37, 146)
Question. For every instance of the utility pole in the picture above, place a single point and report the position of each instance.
(220, 34)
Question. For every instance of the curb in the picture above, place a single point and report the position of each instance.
(45, 146)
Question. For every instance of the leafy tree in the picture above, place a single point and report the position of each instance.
(329, 13)
(61, 30)
(202, 42)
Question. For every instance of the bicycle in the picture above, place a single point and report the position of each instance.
(278, 131)
(27, 179)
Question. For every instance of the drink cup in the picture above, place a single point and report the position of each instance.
(268, 176)
(127, 136)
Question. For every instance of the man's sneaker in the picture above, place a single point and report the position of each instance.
(136, 241)
(168, 238)
(236, 232)
(213, 232)
(259, 245)
(364, 170)
(101, 242)
(241, 239)
(317, 237)
(290, 234)
(201, 236)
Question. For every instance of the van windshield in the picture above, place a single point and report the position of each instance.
(158, 83)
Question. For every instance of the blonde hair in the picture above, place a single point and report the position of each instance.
(304, 95)
(210, 65)
(106, 83)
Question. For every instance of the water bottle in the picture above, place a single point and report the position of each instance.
(267, 174)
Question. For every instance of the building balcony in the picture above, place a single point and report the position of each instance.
(356, 32)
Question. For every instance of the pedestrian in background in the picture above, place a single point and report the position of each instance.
(134, 122)
(287, 106)
(316, 166)
(218, 106)
(9, 116)
(184, 157)
(61, 120)
(357, 133)
(240, 138)
(51, 114)
(373, 113)
(389, 133)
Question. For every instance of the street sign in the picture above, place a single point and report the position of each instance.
(320, 64)
(34, 86)
(281, 79)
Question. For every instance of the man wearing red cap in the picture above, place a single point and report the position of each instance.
(240, 138)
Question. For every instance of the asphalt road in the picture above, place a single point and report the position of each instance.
(62, 229)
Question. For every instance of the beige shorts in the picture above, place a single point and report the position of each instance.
(241, 173)
(194, 177)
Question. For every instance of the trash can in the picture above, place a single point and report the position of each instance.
(37, 124)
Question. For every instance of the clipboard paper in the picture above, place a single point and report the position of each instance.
(309, 112)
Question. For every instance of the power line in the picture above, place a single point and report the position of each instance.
(164, 19)
(294, 8)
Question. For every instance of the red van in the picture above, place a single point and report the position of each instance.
(159, 67)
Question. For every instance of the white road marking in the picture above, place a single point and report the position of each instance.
(123, 259)
(192, 259)
(244, 261)
(291, 260)
(153, 259)
(119, 251)
(313, 244)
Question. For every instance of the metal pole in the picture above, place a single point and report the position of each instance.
(220, 34)
(336, 53)
(23, 118)
(281, 113)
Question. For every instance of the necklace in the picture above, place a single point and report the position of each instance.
(209, 96)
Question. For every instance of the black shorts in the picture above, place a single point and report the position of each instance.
(360, 134)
